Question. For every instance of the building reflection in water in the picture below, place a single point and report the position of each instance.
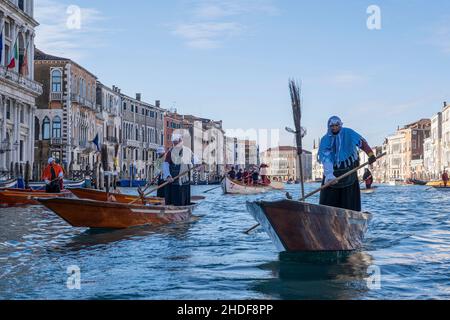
(328, 275)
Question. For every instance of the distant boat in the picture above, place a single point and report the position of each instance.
(233, 187)
(11, 183)
(442, 188)
(418, 182)
(68, 184)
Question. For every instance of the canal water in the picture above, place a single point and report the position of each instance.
(406, 255)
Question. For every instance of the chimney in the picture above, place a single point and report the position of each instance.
(158, 103)
(138, 96)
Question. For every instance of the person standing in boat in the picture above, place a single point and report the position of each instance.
(445, 178)
(232, 174)
(339, 154)
(367, 177)
(52, 175)
(239, 175)
(179, 159)
(263, 171)
(255, 176)
(158, 174)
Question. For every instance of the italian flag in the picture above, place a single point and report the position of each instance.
(14, 56)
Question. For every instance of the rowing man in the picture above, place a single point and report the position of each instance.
(179, 159)
(339, 154)
(52, 175)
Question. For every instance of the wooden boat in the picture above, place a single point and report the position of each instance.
(113, 215)
(11, 183)
(233, 187)
(442, 188)
(418, 182)
(98, 195)
(68, 184)
(20, 197)
(300, 226)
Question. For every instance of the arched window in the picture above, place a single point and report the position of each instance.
(46, 129)
(56, 81)
(56, 129)
(36, 128)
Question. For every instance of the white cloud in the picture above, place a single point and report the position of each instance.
(347, 79)
(212, 22)
(207, 35)
(54, 37)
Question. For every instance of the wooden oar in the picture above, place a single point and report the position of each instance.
(332, 182)
(220, 185)
(48, 183)
(168, 182)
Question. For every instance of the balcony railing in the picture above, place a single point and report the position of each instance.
(81, 100)
(112, 139)
(24, 82)
(56, 96)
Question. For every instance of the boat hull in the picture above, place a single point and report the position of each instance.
(297, 226)
(19, 197)
(112, 215)
(98, 195)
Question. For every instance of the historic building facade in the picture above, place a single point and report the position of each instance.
(142, 134)
(67, 118)
(283, 162)
(18, 90)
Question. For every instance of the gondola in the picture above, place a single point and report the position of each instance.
(230, 186)
(113, 215)
(299, 226)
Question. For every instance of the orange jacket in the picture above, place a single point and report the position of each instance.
(47, 175)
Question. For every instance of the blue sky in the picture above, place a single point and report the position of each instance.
(231, 60)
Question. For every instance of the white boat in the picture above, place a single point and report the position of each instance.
(5, 184)
(233, 187)
(68, 184)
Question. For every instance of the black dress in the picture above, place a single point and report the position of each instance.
(176, 194)
(346, 193)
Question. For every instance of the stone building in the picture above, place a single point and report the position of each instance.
(68, 117)
(207, 141)
(18, 89)
(405, 146)
(172, 122)
(142, 134)
(445, 153)
(283, 163)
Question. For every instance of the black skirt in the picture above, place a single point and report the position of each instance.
(178, 195)
(346, 194)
